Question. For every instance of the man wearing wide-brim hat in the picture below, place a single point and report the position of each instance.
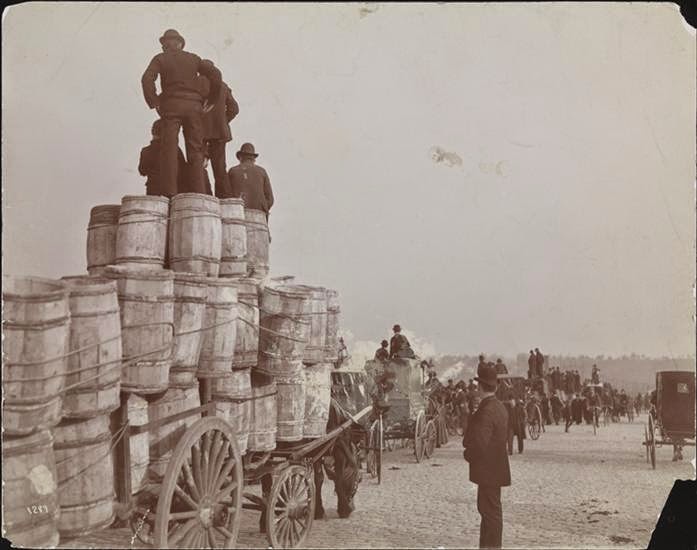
(399, 345)
(250, 182)
(180, 103)
(486, 451)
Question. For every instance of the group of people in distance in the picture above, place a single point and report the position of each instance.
(194, 97)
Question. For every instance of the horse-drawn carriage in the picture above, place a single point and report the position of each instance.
(672, 417)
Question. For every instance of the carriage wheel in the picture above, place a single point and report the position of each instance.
(374, 459)
(420, 436)
(646, 442)
(431, 438)
(201, 497)
(652, 443)
(291, 508)
(535, 423)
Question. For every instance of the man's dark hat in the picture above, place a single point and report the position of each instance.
(247, 149)
(171, 33)
(384, 343)
(397, 328)
(486, 374)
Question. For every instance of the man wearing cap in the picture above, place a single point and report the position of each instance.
(485, 444)
(250, 182)
(382, 354)
(149, 164)
(399, 345)
(180, 105)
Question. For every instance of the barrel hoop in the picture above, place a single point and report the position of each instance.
(92, 226)
(101, 438)
(139, 211)
(194, 257)
(243, 399)
(97, 387)
(233, 258)
(234, 221)
(208, 214)
(143, 298)
(95, 313)
(140, 259)
(26, 401)
(220, 305)
(189, 300)
(44, 325)
(24, 449)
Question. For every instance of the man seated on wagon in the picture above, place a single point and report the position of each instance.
(382, 354)
(501, 367)
(399, 345)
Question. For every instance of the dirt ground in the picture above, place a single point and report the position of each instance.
(570, 490)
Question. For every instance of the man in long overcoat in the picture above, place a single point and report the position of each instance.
(149, 163)
(179, 105)
(250, 182)
(486, 451)
(516, 422)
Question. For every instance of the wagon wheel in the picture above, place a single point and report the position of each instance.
(652, 443)
(646, 442)
(431, 438)
(535, 423)
(291, 508)
(443, 429)
(374, 459)
(420, 436)
(201, 496)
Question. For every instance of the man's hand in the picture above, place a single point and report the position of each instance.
(207, 107)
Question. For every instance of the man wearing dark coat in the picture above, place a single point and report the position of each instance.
(399, 345)
(149, 163)
(486, 451)
(216, 134)
(516, 423)
(179, 105)
(250, 182)
(382, 354)
(532, 369)
(539, 362)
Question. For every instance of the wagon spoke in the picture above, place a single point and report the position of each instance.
(210, 534)
(182, 531)
(179, 491)
(229, 488)
(216, 459)
(188, 476)
(188, 539)
(196, 466)
(205, 460)
(223, 475)
(175, 516)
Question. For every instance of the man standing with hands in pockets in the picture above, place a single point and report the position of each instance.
(486, 452)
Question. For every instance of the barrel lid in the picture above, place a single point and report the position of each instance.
(122, 272)
(19, 288)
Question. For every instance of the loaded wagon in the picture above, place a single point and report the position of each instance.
(672, 417)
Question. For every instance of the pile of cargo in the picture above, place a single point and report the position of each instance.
(178, 297)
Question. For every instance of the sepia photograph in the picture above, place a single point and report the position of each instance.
(349, 275)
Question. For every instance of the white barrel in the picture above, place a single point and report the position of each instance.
(146, 300)
(36, 334)
(220, 329)
(232, 396)
(247, 338)
(257, 243)
(195, 234)
(315, 349)
(317, 399)
(141, 238)
(101, 237)
(233, 255)
(190, 295)
(290, 403)
(332, 338)
(95, 328)
(263, 421)
(139, 444)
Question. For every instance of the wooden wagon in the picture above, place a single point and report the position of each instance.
(672, 418)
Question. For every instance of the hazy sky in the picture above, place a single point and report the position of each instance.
(491, 176)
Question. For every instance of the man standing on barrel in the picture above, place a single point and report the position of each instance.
(486, 451)
(250, 182)
(180, 104)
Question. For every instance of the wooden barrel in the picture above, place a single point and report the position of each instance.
(141, 238)
(257, 243)
(315, 349)
(94, 319)
(284, 329)
(218, 344)
(101, 237)
(84, 468)
(233, 255)
(164, 439)
(146, 300)
(232, 396)
(332, 339)
(290, 403)
(190, 294)
(195, 234)
(317, 399)
(139, 444)
(263, 419)
(247, 337)
(30, 499)
(36, 330)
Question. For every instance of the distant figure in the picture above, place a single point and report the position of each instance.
(501, 367)
(382, 354)
(179, 104)
(516, 423)
(539, 363)
(250, 182)
(557, 406)
(149, 164)
(342, 353)
(399, 345)
(486, 451)
(216, 134)
(595, 375)
(532, 362)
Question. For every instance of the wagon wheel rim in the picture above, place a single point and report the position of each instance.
(646, 442)
(291, 508)
(419, 433)
(201, 496)
(373, 443)
(381, 436)
(652, 443)
(431, 436)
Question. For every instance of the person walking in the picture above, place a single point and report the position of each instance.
(486, 452)
(180, 105)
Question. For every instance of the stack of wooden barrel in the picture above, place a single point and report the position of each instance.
(177, 293)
